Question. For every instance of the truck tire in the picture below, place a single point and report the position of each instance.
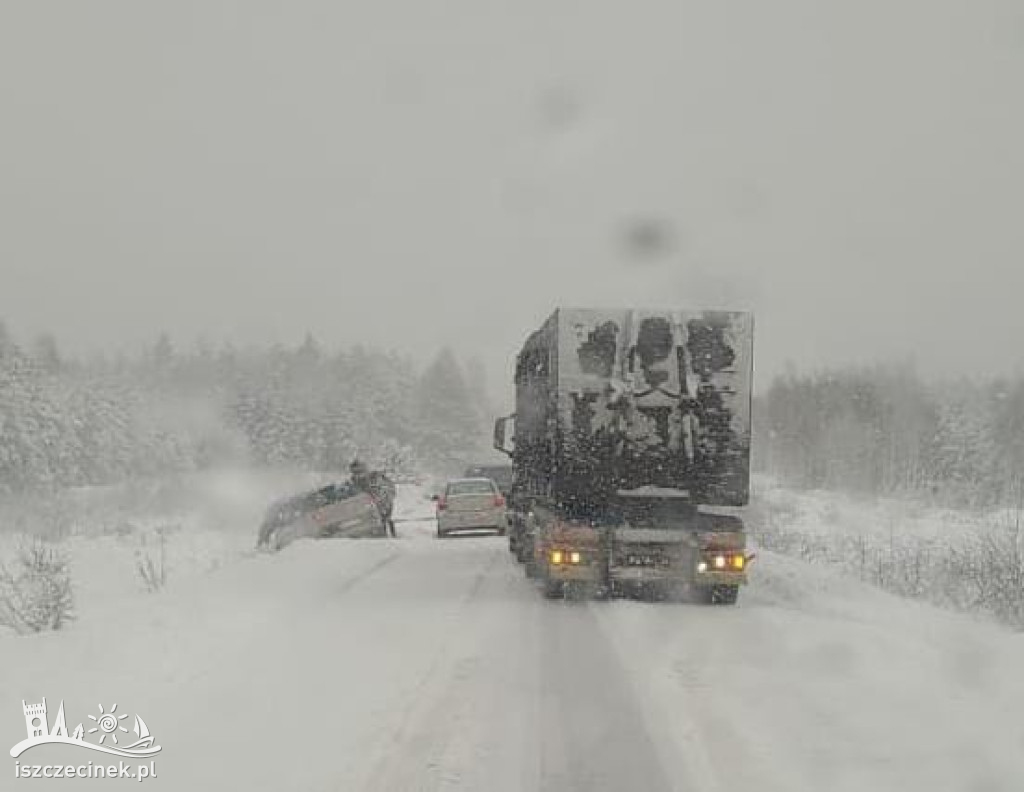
(524, 551)
(553, 589)
(720, 595)
(579, 591)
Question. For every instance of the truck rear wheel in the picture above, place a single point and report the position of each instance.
(580, 590)
(553, 589)
(524, 552)
(720, 595)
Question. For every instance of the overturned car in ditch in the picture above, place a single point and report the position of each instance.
(336, 510)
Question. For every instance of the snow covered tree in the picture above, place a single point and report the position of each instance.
(450, 434)
(46, 354)
(8, 349)
(162, 353)
(476, 382)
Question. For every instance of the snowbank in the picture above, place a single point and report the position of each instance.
(175, 529)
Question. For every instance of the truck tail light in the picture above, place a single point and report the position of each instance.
(442, 504)
(559, 557)
(499, 501)
(723, 562)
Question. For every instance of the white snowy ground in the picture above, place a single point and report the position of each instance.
(963, 560)
(416, 663)
(830, 513)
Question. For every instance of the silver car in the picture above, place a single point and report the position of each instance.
(335, 510)
(470, 504)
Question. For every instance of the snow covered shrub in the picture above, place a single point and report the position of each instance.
(151, 563)
(36, 594)
(977, 569)
(985, 573)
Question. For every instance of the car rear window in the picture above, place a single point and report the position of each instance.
(470, 488)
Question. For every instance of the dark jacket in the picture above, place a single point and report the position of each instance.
(380, 488)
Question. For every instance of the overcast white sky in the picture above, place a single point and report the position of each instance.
(417, 173)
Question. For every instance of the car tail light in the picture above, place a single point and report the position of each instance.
(499, 500)
(442, 504)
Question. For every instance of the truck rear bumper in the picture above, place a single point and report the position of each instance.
(586, 573)
(720, 578)
(634, 574)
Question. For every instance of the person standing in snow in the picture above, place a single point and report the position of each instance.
(379, 487)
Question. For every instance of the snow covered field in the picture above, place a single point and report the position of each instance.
(185, 527)
(423, 664)
(961, 560)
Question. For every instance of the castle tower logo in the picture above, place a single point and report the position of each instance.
(109, 730)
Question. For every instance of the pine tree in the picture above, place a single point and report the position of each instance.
(8, 349)
(448, 418)
(964, 453)
(476, 382)
(46, 354)
(163, 353)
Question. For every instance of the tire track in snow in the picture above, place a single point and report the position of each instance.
(350, 583)
(594, 732)
(416, 744)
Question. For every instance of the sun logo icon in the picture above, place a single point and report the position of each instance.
(108, 724)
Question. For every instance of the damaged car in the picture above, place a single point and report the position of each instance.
(336, 510)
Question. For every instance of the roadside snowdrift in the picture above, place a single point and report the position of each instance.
(177, 528)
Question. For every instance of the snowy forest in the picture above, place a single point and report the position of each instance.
(66, 422)
(884, 430)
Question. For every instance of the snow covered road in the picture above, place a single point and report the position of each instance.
(419, 664)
